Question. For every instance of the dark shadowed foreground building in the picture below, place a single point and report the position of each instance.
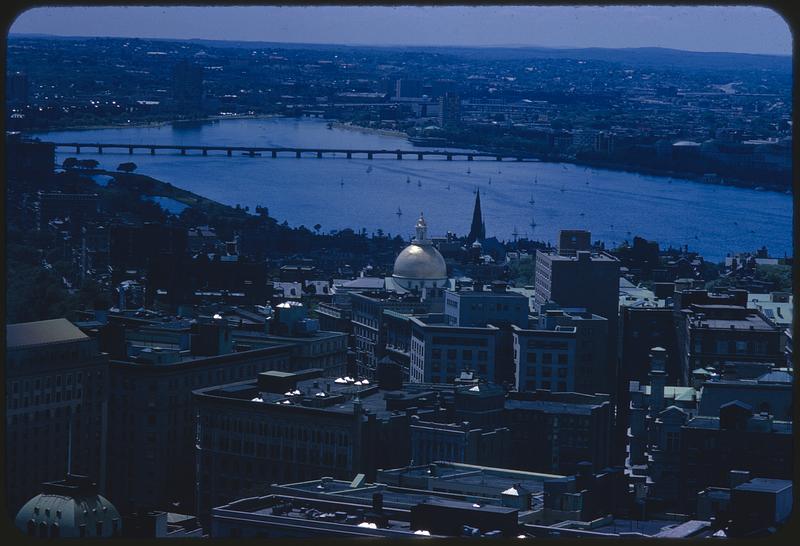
(284, 426)
(56, 380)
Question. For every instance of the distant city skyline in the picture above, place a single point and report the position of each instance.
(704, 28)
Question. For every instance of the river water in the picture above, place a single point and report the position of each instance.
(338, 193)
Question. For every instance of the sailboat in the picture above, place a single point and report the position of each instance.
(419, 183)
(341, 182)
(533, 223)
(469, 171)
(408, 180)
(536, 179)
(531, 200)
(490, 180)
(562, 188)
(399, 212)
(515, 233)
(448, 185)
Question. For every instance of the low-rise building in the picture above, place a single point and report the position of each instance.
(281, 426)
(565, 352)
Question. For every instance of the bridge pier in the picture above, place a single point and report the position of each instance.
(449, 157)
(152, 151)
(319, 154)
(183, 151)
(349, 155)
(499, 158)
(470, 158)
(130, 150)
(274, 153)
(205, 151)
(77, 149)
(230, 152)
(419, 157)
(519, 159)
(99, 149)
(297, 155)
(369, 155)
(399, 155)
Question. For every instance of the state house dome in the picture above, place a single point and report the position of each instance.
(420, 264)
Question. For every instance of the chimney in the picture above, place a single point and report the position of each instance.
(377, 502)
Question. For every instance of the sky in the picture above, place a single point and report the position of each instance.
(710, 28)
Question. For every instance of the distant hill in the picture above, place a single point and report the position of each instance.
(657, 57)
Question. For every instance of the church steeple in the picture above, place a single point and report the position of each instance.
(477, 231)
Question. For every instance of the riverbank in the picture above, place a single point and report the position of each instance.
(153, 124)
(368, 130)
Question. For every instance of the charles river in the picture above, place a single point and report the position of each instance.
(358, 193)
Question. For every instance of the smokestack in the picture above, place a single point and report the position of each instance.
(377, 502)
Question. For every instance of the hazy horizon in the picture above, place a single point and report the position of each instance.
(711, 29)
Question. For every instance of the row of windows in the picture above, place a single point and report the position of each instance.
(547, 358)
(49, 381)
(546, 371)
(466, 354)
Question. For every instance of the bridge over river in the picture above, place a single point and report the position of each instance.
(255, 151)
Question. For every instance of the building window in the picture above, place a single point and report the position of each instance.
(562, 358)
(672, 441)
(547, 358)
(531, 358)
(466, 354)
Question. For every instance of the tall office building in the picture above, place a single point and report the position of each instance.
(187, 87)
(450, 111)
(56, 395)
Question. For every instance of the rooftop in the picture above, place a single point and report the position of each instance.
(333, 395)
(43, 332)
(765, 485)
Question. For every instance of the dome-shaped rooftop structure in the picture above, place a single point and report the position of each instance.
(69, 508)
(420, 264)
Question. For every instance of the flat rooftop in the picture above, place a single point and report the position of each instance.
(320, 394)
(41, 333)
(547, 406)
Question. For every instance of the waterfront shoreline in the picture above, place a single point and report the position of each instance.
(587, 163)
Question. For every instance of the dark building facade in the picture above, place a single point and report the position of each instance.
(56, 387)
(299, 425)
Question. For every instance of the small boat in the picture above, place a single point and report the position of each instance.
(251, 154)
(341, 182)
(533, 223)
(562, 188)
(469, 171)
(535, 179)
(564, 167)
(582, 214)
(399, 212)
(369, 169)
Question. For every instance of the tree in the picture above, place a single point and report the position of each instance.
(127, 167)
(317, 227)
(88, 163)
(69, 163)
